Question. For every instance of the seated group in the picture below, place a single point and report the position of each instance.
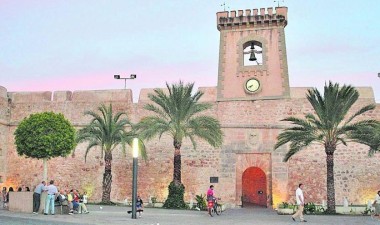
(75, 201)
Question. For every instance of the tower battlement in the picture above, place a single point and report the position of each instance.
(255, 17)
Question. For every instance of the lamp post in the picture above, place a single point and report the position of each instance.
(135, 146)
(117, 77)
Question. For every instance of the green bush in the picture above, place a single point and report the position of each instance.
(309, 208)
(283, 205)
(201, 202)
(175, 197)
(44, 136)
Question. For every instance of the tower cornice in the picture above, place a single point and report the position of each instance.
(255, 18)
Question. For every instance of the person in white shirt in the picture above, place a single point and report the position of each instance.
(300, 202)
(50, 198)
(376, 203)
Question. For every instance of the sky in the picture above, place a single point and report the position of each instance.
(56, 45)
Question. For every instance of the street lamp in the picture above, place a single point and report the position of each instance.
(135, 147)
(117, 77)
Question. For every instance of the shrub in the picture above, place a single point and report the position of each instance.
(283, 205)
(175, 197)
(309, 208)
(201, 202)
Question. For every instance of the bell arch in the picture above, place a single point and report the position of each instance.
(252, 53)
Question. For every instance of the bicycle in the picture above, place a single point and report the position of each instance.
(215, 207)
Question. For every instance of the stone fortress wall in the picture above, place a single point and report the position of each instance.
(250, 129)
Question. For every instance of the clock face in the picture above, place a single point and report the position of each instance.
(252, 85)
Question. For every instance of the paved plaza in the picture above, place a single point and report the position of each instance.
(111, 215)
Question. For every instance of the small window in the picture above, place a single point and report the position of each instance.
(214, 180)
(253, 53)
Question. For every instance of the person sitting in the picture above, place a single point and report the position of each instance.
(83, 202)
(139, 206)
(85, 197)
(70, 202)
(78, 200)
(62, 197)
(4, 196)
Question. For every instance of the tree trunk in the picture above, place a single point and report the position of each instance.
(107, 178)
(177, 163)
(45, 170)
(330, 182)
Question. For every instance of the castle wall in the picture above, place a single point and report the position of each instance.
(250, 129)
(4, 117)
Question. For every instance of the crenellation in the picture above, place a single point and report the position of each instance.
(259, 17)
(3, 93)
(209, 94)
(270, 11)
(20, 97)
(262, 11)
(62, 96)
(103, 96)
(255, 12)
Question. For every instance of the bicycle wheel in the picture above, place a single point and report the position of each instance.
(212, 211)
(218, 209)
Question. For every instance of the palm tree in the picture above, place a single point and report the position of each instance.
(107, 131)
(329, 127)
(179, 114)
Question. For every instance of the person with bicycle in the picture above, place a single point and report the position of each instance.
(211, 200)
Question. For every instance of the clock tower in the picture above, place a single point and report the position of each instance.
(252, 55)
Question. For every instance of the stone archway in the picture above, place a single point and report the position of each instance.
(261, 161)
(254, 186)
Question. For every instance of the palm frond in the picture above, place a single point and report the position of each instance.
(106, 130)
(177, 113)
(327, 125)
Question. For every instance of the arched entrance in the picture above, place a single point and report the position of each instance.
(254, 186)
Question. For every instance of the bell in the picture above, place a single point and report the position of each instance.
(252, 56)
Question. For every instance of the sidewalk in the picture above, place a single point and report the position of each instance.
(111, 215)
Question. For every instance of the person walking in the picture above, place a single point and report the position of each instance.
(37, 196)
(50, 198)
(300, 202)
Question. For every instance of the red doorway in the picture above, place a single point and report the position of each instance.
(254, 188)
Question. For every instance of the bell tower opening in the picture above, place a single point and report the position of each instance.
(253, 53)
(254, 187)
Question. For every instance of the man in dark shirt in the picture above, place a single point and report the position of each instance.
(37, 197)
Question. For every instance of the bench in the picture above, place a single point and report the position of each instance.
(61, 206)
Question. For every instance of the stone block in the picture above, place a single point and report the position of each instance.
(21, 202)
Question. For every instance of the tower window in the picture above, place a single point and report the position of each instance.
(253, 53)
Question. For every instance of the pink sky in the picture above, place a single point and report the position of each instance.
(79, 45)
